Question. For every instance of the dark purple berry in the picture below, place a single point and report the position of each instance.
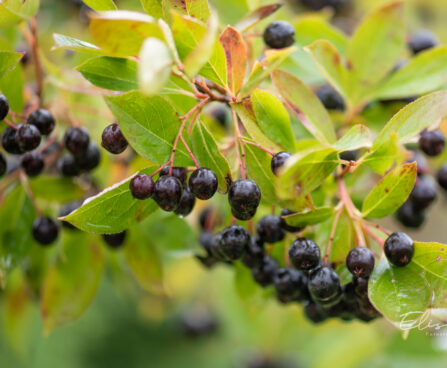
(421, 162)
(279, 34)
(181, 173)
(186, 204)
(243, 215)
(285, 225)
(4, 107)
(221, 114)
(324, 284)
(314, 312)
(203, 183)
(42, 120)
(33, 163)
(422, 40)
(115, 241)
(45, 230)
(423, 193)
(113, 139)
(349, 155)
(90, 159)
(442, 177)
(432, 142)
(254, 254)
(290, 284)
(304, 254)
(410, 216)
(28, 137)
(9, 141)
(3, 165)
(168, 192)
(330, 98)
(234, 241)
(270, 230)
(68, 166)
(264, 274)
(244, 197)
(66, 210)
(278, 161)
(77, 141)
(142, 186)
(399, 249)
(360, 285)
(360, 261)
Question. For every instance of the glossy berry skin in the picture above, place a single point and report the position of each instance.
(45, 230)
(290, 284)
(442, 177)
(399, 249)
(244, 197)
(323, 284)
(410, 216)
(3, 165)
(360, 285)
(142, 186)
(28, 137)
(287, 227)
(216, 249)
(77, 141)
(113, 140)
(68, 166)
(314, 312)
(203, 183)
(304, 254)
(243, 215)
(115, 241)
(42, 120)
(270, 230)
(279, 34)
(186, 204)
(4, 106)
(432, 142)
(254, 254)
(265, 274)
(234, 241)
(360, 261)
(278, 161)
(90, 159)
(422, 40)
(168, 192)
(33, 164)
(181, 173)
(9, 141)
(330, 98)
(423, 193)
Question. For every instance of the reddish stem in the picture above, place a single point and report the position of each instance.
(12, 125)
(377, 238)
(377, 226)
(236, 139)
(331, 235)
(159, 169)
(259, 146)
(189, 151)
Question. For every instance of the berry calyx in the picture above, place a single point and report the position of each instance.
(423, 193)
(115, 241)
(68, 166)
(330, 98)
(3, 165)
(422, 40)
(33, 163)
(42, 120)
(360, 261)
(186, 204)
(234, 241)
(244, 197)
(285, 225)
(265, 274)
(304, 254)
(113, 140)
(77, 141)
(28, 137)
(278, 161)
(90, 159)
(181, 173)
(203, 183)
(168, 192)
(142, 186)
(442, 177)
(45, 230)
(432, 142)
(399, 249)
(290, 284)
(324, 284)
(9, 141)
(279, 34)
(270, 230)
(4, 106)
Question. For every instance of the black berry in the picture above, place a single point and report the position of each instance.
(243, 215)
(432, 142)
(410, 216)
(330, 98)
(234, 241)
(278, 161)
(186, 204)
(90, 159)
(290, 284)
(77, 141)
(221, 114)
(33, 163)
(314, 312)
(142, 186)
(422, 40)
(181, 173)
(360, 285)
(66, 210)
(324, 284)
(9, 141)
(254, 254)
(349, 155)
(279, 34)
(399, 249)
(423, 193)
(203, 183)
(304, 254)
(264, 274)
(3, 165)
(270, 230)
(244, 197)
(168, 192)
(442, 177)
(45, 230)
(4, 106)
(115, 241)
(42, 120)
(28, 137)
(421, 162)
(360, 261)
(113, 139)
(68, 166)
(285, 225)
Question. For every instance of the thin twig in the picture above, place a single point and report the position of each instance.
(332, 234)
(189, 151)
(259, 146)
(236, 139)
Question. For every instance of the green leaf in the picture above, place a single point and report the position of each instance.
(382, 157)
(424, 73)
(154, 8)
(273, 119)
(150, 125)
(309, 217)
(57, 189)
(390, 192)
(375, 47)
(121, 33)
(305, 105)
(16, 11)
(359, 136)
(432, 258)
(110, 73)
(113, 210)
(16, 216)
(415, 117)
(208, 155)
(246, 288)
(8, 61)
(12, 86)
(70, 43)
(253, 18)
(154, 68)
(194, 8)
(301, 175)
(262, 69)
(397, 292)
(100, 5)
(72, 282)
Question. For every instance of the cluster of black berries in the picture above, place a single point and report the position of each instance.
(413, 212)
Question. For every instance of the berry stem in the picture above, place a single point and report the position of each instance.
(373, 235)
(346, 199)
(332, 234)
(11, 124)
(377, 226)
(237, 136)
(259, 146)
(189, 151)
(360, 235)
(159, 169)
